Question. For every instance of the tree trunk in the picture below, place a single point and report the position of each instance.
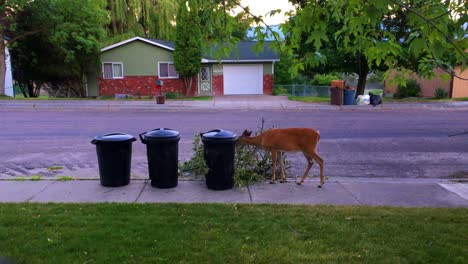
(31, 89)
(188, 84)
(112, 11)
(2, 65)
(363, 71)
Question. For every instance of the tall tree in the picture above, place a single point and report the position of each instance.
(427, 31)
(66, 50)
(188, 43)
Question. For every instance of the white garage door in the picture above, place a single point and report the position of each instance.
(243, 79)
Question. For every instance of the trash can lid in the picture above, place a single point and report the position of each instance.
(161, 133)
(114, 137)
(219, 134)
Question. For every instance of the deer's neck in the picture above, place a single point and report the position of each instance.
(256, 141)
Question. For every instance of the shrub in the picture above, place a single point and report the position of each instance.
(280, 91)
(440, 93)
(411, 89)
(172, 95)
(324, 79)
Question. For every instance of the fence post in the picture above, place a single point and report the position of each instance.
(294, 89)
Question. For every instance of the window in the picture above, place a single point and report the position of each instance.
(113, 70)
(167, 70)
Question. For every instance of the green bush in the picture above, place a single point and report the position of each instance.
(280, 91)
(411, 89)
(324, 79)
(440, 93)
(172, 95)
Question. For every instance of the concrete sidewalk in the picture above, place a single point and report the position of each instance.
(220, 103)
(406, 194)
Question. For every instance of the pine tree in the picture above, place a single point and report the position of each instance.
(188, 43)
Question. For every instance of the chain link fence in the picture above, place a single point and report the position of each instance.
(303, 90)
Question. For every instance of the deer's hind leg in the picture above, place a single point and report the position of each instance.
(310, 162)
(314, 156)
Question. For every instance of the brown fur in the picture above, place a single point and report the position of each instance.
(303, 140)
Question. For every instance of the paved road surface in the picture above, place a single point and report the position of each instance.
(409, 144)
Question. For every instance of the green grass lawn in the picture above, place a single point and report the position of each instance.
(312, 99)
(227, 233)
(422, 99)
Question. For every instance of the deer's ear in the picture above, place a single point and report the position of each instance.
(245, 133)
(249, 133)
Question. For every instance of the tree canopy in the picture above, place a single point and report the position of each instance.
(407, 35)
(66, 47)
(417, 35)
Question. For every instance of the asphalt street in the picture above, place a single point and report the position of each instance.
(387, 144)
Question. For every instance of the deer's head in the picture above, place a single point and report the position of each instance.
(243, 139)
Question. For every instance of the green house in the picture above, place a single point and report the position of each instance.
(133, 66)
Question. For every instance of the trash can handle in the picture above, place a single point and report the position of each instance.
(142, 138)
(165, 128)
(94, 141)
(114, 134)
(119, 133)
(214, 130)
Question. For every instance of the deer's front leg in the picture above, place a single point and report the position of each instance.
(283, 178)
(273, 167)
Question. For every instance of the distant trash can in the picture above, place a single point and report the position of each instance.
(162, 150)
(349, 96)
(336, 96)
(218, 152)
(114, 153)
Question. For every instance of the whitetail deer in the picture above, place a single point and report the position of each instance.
(303, 140)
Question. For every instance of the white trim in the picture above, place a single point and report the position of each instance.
(112, 62)
(133, 39)
(169, 77)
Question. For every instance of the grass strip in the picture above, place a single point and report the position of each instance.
(313, 99)
(230, 233)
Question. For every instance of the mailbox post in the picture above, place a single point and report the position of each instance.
(160, 99)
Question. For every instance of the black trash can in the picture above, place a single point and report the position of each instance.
(218, 152)
(162, 148)
(349, 96)
(114, 153)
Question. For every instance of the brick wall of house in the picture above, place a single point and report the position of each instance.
(218, 85)
(146, 86)
(143, 86)
(268, 84)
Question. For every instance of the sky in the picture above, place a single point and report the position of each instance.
(261, 7)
